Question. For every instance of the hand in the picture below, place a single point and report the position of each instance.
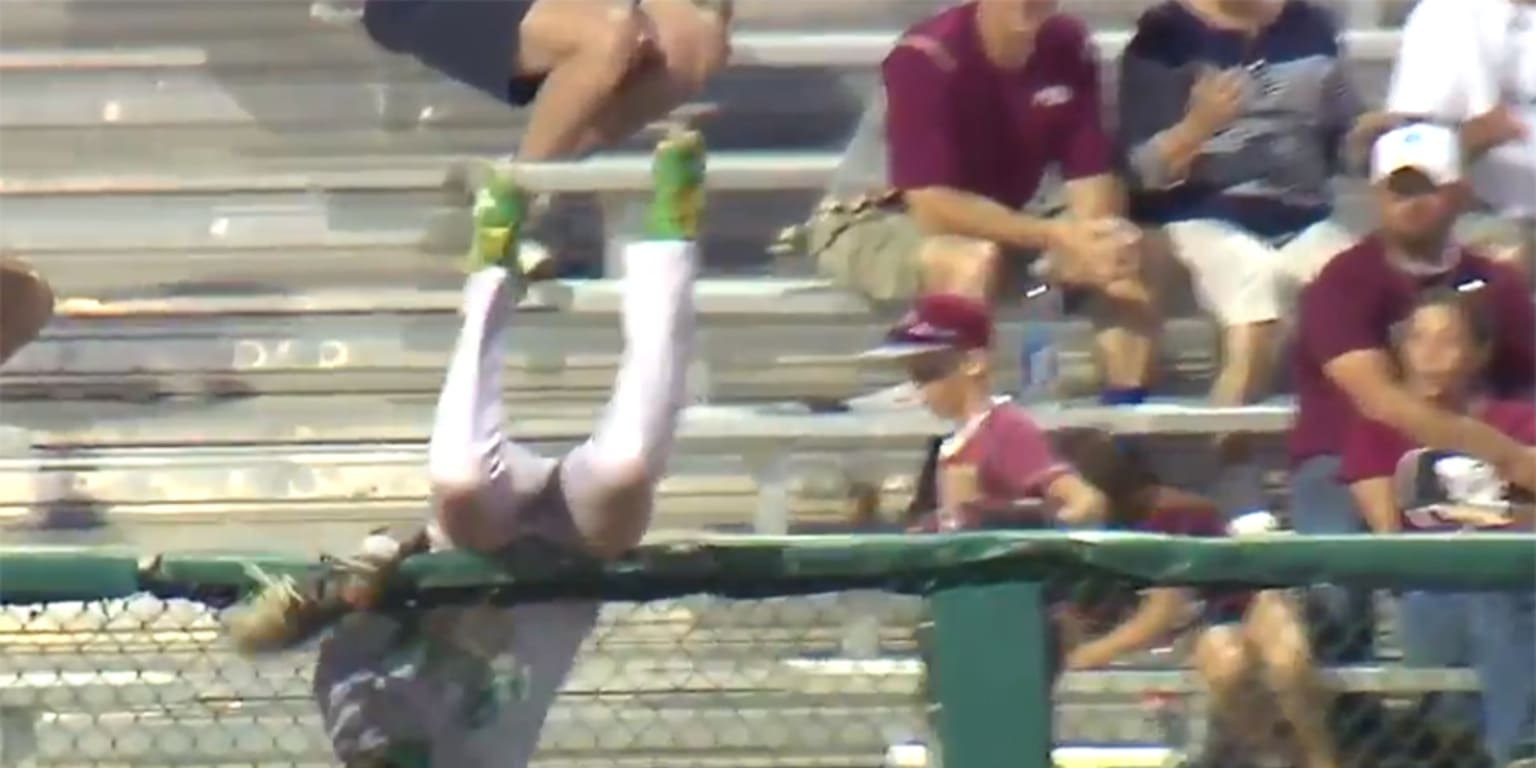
(1104, 253)
(1216, 99)
(1368, 127)
(1500, 125)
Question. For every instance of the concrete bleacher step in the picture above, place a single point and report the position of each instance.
(757, 339)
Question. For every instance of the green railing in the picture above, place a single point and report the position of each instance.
(746, 651)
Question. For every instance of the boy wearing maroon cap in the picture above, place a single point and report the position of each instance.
(997, 456)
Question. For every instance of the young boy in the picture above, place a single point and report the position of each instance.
(996, 457)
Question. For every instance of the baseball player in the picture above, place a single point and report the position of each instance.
(470, 687)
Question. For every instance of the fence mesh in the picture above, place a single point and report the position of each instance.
(823, 680)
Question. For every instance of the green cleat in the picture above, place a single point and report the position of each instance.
(677, 178)
(498, 213)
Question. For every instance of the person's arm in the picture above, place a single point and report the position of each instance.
(1340, 327)
(1441, 75)
(1086, 155)
(1159, 614)
(1026, 466)
(923, 152)
(1159, 134)
(1347, 128)
(1080, 504)
(1377, 503)
(948, 210)
(1368, 378)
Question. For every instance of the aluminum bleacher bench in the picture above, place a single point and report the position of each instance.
(338, 450)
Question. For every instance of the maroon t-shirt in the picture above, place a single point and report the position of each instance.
(1353, 304)
(955, 119)
(1004, 458)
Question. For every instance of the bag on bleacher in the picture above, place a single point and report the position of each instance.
(867, 244)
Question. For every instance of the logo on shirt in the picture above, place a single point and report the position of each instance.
(1052, 96)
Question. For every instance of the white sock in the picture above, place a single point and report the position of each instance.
(640, 421)
(468, 447)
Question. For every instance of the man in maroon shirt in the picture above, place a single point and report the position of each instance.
(981, 100)
(1342, 359)
(997, 457)
(1445, 343)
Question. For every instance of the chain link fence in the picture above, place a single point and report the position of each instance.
(823, 680)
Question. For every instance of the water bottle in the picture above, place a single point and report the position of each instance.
(1038, 364)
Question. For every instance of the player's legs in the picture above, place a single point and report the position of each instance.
(609, 480)
(479, 477)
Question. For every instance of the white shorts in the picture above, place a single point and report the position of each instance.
(1240, 278)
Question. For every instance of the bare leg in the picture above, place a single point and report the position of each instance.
(610, 480)
(693, 44)
(1275, 631)
(1248, 363)
(1125, 339)
(1223, 660)
(586, 47)
(960, 265)
(611, 70)
(479, 477)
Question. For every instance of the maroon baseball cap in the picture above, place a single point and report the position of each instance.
(937, 322)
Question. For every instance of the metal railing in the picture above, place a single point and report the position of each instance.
(734, 652)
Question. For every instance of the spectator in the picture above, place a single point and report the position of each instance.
(1472, 64)
(996, 458)
(980, 100)
(26, 306)
(1242, 636)
(591, 73)
(1446, 340)
(1234, 116)
(1342, 362)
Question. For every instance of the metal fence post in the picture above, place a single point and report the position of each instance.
(991, 676)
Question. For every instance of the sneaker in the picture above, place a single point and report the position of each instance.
(288, 612)
(497, 213)
(677, 178)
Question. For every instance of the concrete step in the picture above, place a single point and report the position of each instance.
(758, 338)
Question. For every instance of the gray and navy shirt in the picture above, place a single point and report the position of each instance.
(1270, 170)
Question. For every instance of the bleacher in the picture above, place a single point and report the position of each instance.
(248, 203)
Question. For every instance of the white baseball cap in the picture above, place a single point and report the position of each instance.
(1433, 150)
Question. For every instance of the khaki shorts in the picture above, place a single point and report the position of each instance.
(1241, 279)
(875, 250)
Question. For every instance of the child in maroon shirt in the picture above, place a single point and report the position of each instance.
(1243, 634)
(997, 460)
(1444, 347)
